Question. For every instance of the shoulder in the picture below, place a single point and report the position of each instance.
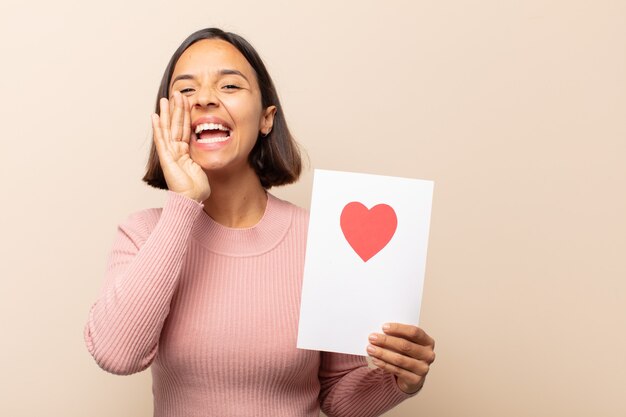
(139, 224)
(299, 216)
(179, 210)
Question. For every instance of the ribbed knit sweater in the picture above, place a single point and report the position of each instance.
(214, 311)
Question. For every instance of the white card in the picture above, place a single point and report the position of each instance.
(363, 268)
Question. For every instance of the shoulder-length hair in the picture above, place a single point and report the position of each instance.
(275, 158)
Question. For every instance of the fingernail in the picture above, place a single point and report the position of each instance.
(371, 349)
(373, 337)
(387, 326)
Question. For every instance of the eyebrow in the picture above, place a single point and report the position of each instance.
(220, 72)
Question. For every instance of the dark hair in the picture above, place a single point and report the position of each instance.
(276, 157)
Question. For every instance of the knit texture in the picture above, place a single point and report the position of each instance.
(214, 312)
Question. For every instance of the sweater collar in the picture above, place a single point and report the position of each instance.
(250, 241)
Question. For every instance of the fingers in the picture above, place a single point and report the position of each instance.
(403, 347)
(177, 113)
(186, 120)
(408, 382)
(405, 351)
(164, 118)
(159, 141)
(175, 119)
(412, 333)
(398, 360)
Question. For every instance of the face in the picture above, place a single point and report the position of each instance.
(225, 104)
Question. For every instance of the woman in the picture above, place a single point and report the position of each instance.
(207, 289)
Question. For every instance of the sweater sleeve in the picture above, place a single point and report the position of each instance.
(124, 324)
(349, 388)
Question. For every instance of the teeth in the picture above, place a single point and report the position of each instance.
(214, 140)
(210, 126)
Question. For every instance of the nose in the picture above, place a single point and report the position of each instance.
(205, 97)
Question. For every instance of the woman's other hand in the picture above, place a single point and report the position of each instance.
(172, 132)
(405, 351)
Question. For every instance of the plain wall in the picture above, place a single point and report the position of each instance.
(516, 109)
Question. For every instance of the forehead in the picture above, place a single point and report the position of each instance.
(211, 55)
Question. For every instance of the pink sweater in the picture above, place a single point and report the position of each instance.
(215, 311)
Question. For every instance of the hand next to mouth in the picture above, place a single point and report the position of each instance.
(171, 134)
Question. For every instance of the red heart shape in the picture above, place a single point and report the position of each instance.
(368, 231)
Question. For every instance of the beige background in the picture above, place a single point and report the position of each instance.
(516, 109)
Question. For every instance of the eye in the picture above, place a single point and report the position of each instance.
(187, 90)
(231, 87)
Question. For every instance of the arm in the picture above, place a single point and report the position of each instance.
(349, 388)
(125, 322)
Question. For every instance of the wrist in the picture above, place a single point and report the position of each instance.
(187, 196)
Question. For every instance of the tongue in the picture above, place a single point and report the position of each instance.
(210, 134)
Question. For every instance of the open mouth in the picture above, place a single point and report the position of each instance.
(211, 133)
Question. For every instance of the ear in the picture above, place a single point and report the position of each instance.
(267, 120)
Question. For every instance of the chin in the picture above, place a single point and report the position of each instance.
(221, 166)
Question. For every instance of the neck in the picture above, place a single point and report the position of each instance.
(236, 201)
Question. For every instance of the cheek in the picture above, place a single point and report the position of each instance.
(245, 112)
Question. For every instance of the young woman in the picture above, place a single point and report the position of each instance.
(206, 290)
